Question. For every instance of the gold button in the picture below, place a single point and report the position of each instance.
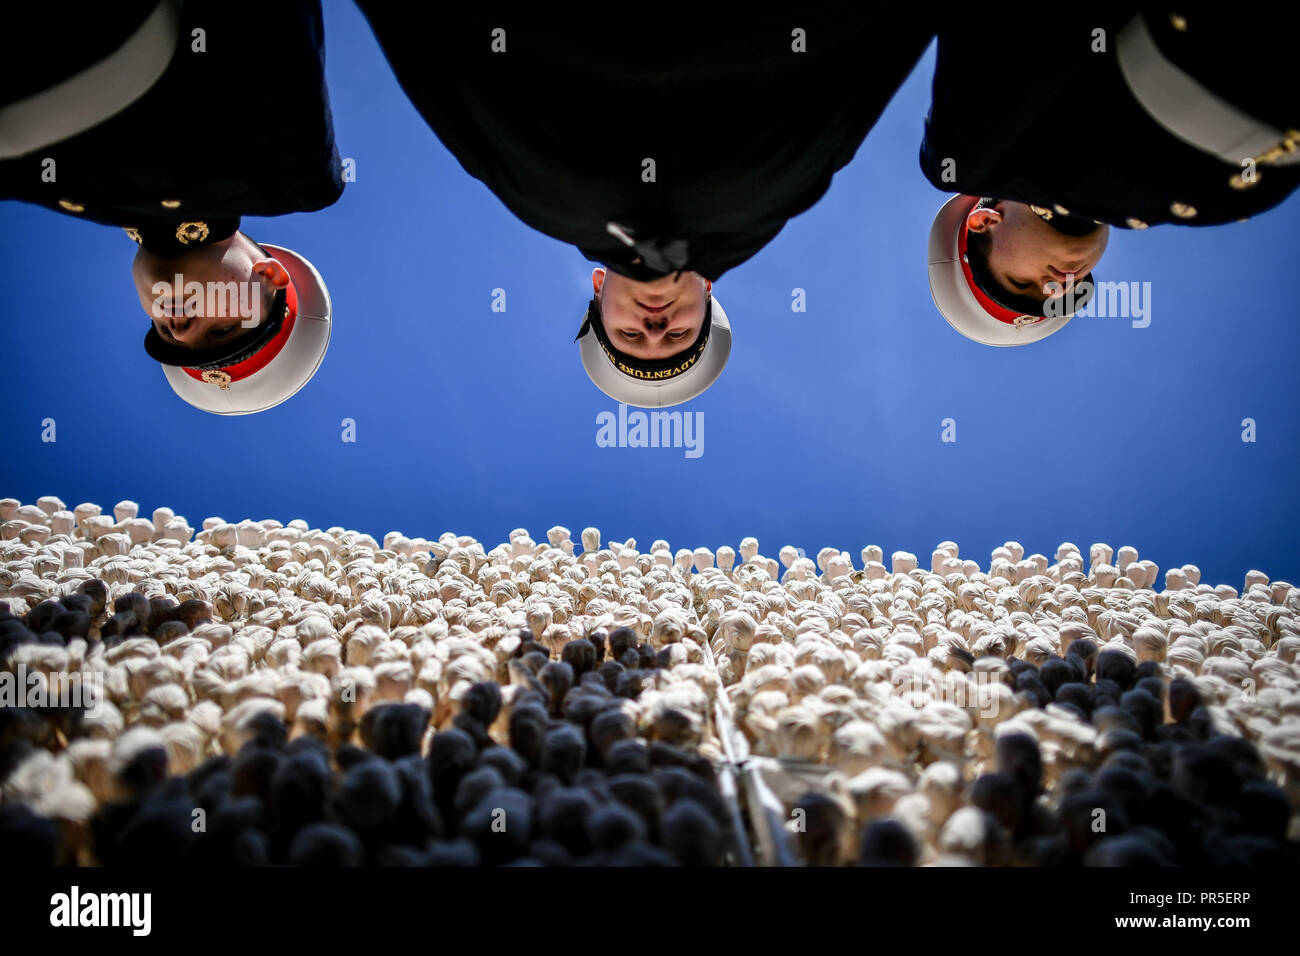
(133, 234)
(1244, 219)
(1134, 223)
(188, 232)
(1239, 180)
(171, 204)
(1061, 209)
(1177, 22)
(1041, 213)
(71, 206)
(1182, 210)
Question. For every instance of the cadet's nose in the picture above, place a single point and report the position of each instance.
(177, 323)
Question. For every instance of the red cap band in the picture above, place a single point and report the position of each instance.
(263, 356)
(1001, 313)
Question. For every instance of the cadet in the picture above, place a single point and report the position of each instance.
(668, 152)
(173, 121)
(1059, 127)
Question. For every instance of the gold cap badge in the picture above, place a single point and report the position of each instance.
(188, 232)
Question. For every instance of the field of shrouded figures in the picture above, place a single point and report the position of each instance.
(259, 692)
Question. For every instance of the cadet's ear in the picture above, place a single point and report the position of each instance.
(271, 272)
(597, 279)
(981, 219)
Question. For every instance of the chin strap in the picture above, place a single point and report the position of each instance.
(222, 377)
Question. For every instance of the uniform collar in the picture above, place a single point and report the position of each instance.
(645, 257)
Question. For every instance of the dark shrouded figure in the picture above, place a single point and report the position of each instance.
(822, 821)
(691, 834)
(326, 845)
(395, 730)
(887, 842)
(451, 755)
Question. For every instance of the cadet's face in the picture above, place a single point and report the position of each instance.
(1028, 257)
(652, 320)
(184, 321)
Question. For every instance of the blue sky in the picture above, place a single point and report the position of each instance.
(824, 430)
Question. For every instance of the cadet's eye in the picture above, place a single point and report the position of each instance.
(632, 335)
(222, 332)
(677, 335)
